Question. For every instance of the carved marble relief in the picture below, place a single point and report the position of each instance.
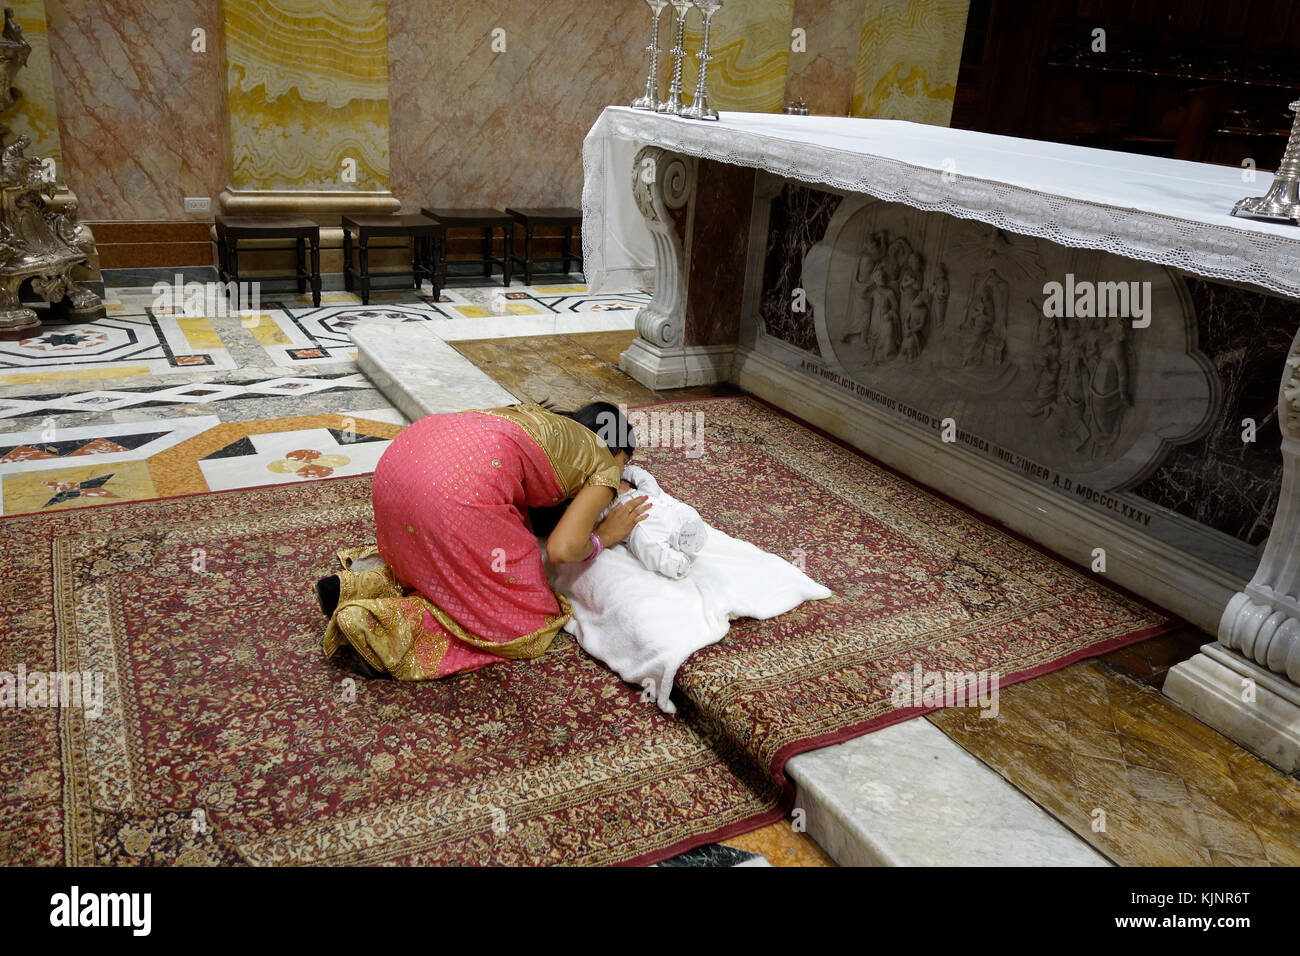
(948, 316)
(1071, 391)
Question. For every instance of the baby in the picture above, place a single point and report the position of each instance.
(668, 540)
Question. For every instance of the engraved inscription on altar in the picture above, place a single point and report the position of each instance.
(951, 317)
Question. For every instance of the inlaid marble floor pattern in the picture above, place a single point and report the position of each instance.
(1094, 736)
(128, 408)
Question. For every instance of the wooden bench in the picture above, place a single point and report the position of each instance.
(484, 220)
(426, 237)
(530, 218)
(297, 229)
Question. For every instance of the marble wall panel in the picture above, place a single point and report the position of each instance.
(419, 96)
(307, 91)
(823, 73)
(715, 282)
(474, 126)
(751, 48)
(140, 112)
(908, 59)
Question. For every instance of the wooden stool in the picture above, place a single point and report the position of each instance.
(488, 221)
(426, 244)
(231, 229)
(564, 216)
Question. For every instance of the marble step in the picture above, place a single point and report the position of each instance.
(908, 795)
(420, 373)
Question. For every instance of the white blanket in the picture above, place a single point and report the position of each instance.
(643, 626)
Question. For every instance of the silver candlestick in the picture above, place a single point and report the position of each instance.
(674, 102)
(1282, 202)
(651, 99)
(700, 109)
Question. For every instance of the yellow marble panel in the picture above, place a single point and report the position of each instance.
(26, 492)
(199, 332)
(751, 50)
(266, 332)
(35, 113)
(80, 374)
(307, 91)
(908, 59)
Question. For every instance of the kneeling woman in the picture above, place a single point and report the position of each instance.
(457, 581)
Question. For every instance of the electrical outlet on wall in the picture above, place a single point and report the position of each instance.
(198, 204)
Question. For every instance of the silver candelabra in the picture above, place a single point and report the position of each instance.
(1282, 201)
(650, 101)
(700, 109)
(674, 102)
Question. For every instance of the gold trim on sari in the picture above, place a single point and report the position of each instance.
(577, 456)
(385, 625)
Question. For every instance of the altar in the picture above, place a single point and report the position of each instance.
(1083, 345)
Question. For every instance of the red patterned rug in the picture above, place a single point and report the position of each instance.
(225, 737)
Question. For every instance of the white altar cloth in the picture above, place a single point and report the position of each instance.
(1166, 211)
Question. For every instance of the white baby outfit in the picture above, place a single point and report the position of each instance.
(671, 535)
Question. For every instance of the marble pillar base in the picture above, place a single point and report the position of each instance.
(661, 367)
(907, 795)
(1210, 687)
(421, 374)
(1188, 586)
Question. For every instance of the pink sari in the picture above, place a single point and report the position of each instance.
(451, 496)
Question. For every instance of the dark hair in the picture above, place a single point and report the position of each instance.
(611, 427)
(609, 424)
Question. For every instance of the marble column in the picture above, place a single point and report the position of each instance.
(1247, 686)
(307, 104)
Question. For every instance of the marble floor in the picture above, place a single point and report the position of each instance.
(155, 403)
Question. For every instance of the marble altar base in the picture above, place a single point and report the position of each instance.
(1216, 687)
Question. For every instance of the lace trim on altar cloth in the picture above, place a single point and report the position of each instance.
(1266, 260)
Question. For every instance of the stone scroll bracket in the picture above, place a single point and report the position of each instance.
(1247, 685)
(688, 333)
(663, 183)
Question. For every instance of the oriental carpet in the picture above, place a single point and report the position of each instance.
(226, 738)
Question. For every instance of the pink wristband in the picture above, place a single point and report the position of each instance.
(595, 544)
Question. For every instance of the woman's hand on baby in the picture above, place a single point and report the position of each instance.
(618, 524)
